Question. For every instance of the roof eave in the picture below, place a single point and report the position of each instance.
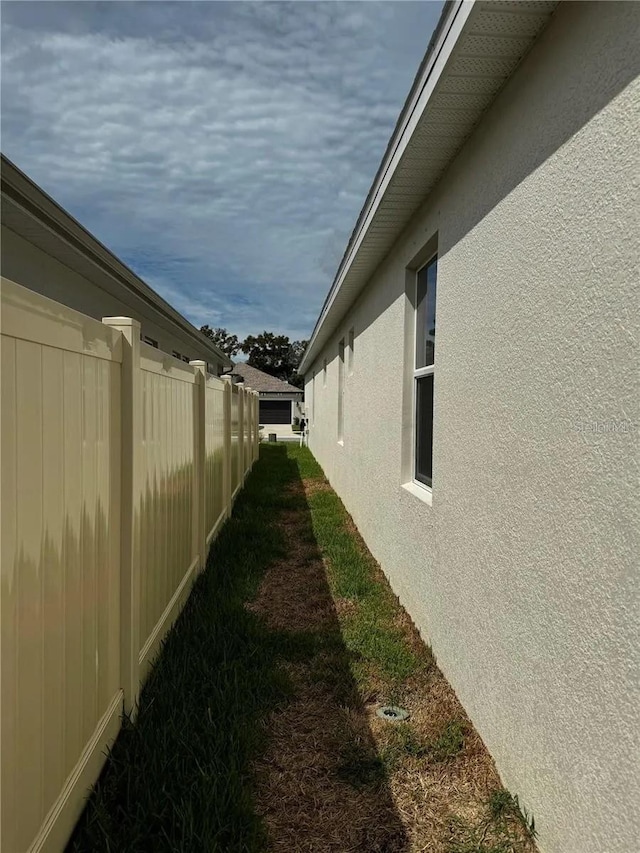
(468, 30)
(22, 190)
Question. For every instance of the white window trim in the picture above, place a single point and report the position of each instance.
(342, 369)
(419, 490)
(414, 486)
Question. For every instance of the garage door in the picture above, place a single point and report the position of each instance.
(275, 411)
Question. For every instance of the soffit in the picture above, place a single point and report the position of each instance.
(491, 42)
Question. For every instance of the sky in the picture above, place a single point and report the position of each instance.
(222, 150)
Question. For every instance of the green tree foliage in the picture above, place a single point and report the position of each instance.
(276, 355)
(229, 344)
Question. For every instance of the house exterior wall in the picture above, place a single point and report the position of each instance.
(522, 571)
(32, 267)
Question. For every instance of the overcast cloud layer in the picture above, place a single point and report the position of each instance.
(222, 150)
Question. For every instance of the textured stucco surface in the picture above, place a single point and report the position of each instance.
(523, 573)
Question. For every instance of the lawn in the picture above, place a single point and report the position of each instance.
(257, 729)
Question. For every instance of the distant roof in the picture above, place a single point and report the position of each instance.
(264, 382)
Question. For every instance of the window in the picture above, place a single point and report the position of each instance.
(324, 374)
(313, 397)
(176, 354)
(341, 390)
(424, 372)
(351, 338)
(147, 340)
(186, 358)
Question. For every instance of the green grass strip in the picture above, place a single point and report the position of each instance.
(180, 778)
(379, 648)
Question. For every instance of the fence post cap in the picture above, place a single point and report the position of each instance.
(121, 321)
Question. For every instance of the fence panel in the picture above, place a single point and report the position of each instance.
(61, 696)
(214, 456)
(235, 439)
(256, 426)
(168, 550)
(246, 432)
(119, 464)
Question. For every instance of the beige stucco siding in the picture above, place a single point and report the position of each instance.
(523, 573)
(32, 267)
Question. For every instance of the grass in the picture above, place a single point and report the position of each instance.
(180, 778)
(369, 630)
(503, 828)
(257, 730)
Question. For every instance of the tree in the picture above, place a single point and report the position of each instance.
(269, 352)
(229, 344)
(296, 353)
(276, 355)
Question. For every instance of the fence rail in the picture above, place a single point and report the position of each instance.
(119, 465)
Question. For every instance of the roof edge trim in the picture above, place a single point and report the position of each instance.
(448, 30)
(33, 199)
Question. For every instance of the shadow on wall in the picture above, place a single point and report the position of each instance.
(166, 541)
(259, 623)
(61, 615)
(550, 98)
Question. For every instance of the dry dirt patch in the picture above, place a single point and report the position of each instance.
(335, 777)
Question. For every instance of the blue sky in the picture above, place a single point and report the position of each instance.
(222, 150)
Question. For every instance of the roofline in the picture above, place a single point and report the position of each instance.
(24, 191)
(394, 141)
(290, 389)
(445, 35)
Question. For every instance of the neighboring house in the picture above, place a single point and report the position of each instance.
(280, 402)
(48, 251)
(485, 440)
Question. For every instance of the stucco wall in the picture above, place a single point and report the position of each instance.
(30, 266)
(523, 573)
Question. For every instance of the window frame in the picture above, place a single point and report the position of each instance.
(422, 481)
(350, 354)
(341, 384)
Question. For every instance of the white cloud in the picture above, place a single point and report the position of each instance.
(223, 150)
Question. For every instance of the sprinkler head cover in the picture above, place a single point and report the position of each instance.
(392, 713)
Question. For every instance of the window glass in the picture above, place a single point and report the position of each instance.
(424, 372)
(424, 429)
(426, 315)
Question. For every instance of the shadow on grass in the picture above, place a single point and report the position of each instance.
(182, 778)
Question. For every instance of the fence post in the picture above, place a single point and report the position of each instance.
(241, 429)
(256, 421)
(130, 507)
(200, 455)
(227, 444)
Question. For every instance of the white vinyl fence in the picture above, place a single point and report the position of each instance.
(119, 465)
